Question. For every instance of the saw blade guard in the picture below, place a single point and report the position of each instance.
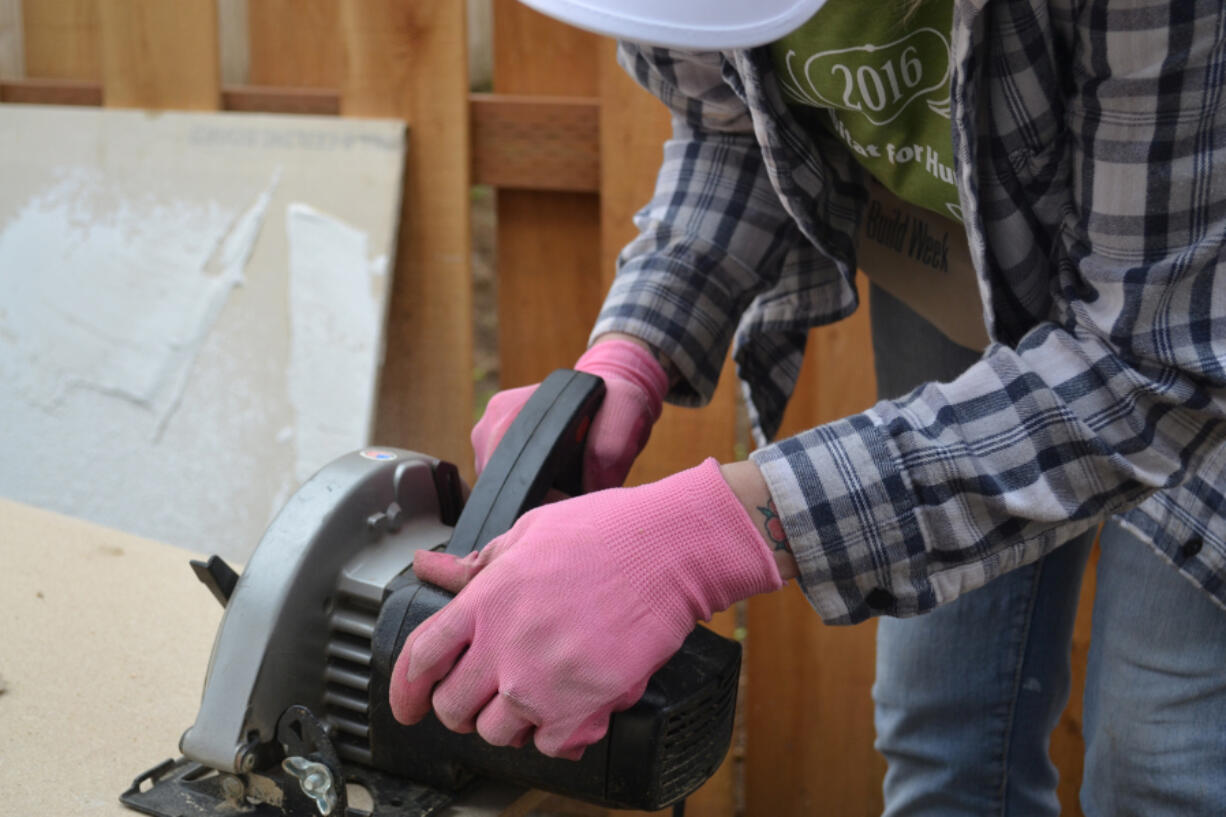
(320, 569)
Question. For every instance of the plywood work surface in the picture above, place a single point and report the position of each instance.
(103, 650)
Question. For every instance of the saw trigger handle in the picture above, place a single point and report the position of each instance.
(542, 449)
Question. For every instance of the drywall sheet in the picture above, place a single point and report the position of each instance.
(191, 311)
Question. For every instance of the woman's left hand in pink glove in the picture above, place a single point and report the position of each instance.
(562, 620)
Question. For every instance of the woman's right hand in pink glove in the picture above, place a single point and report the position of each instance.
(635, 385)
(562, 620)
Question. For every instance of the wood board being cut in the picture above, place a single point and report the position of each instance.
(103, 653)
(193, 313)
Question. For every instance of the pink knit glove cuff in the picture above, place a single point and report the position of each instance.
(688, 546)
(618, 359)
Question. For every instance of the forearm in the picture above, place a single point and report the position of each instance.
(924, 498)
(747, 483)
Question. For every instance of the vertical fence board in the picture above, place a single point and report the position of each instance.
(548, 254)
(548, 288)
(1067, 742)
(61, 39)
(633, 128)
(810, 724)
(160, 55)
(296, 43)
(408, 60)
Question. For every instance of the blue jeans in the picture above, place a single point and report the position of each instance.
(966, 696)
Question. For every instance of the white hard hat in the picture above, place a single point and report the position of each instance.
(692, 24)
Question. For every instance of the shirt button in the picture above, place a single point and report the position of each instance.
(880, 599)
(1191, 547)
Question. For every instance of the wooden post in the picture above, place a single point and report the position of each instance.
(160, 55)
(296, 43)
(548, 257)
(810, 715)
(408, 60)
(402, 60)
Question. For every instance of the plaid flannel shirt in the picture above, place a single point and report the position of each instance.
(1090, 140)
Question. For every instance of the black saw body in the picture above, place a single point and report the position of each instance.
(295, 700)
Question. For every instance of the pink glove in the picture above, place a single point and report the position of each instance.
(562, 620)
(635, 385)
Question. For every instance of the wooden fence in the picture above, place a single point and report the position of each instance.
(571, 144)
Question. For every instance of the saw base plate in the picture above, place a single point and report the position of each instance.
(184, 788)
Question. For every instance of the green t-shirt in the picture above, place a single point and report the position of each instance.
(882, 86)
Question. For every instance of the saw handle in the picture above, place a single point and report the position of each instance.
(542, 449)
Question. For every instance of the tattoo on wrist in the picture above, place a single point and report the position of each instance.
(774, 526)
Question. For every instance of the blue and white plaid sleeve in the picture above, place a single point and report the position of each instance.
(1116, 396)
(713, 236)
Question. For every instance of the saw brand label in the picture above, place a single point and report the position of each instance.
(378, 454)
